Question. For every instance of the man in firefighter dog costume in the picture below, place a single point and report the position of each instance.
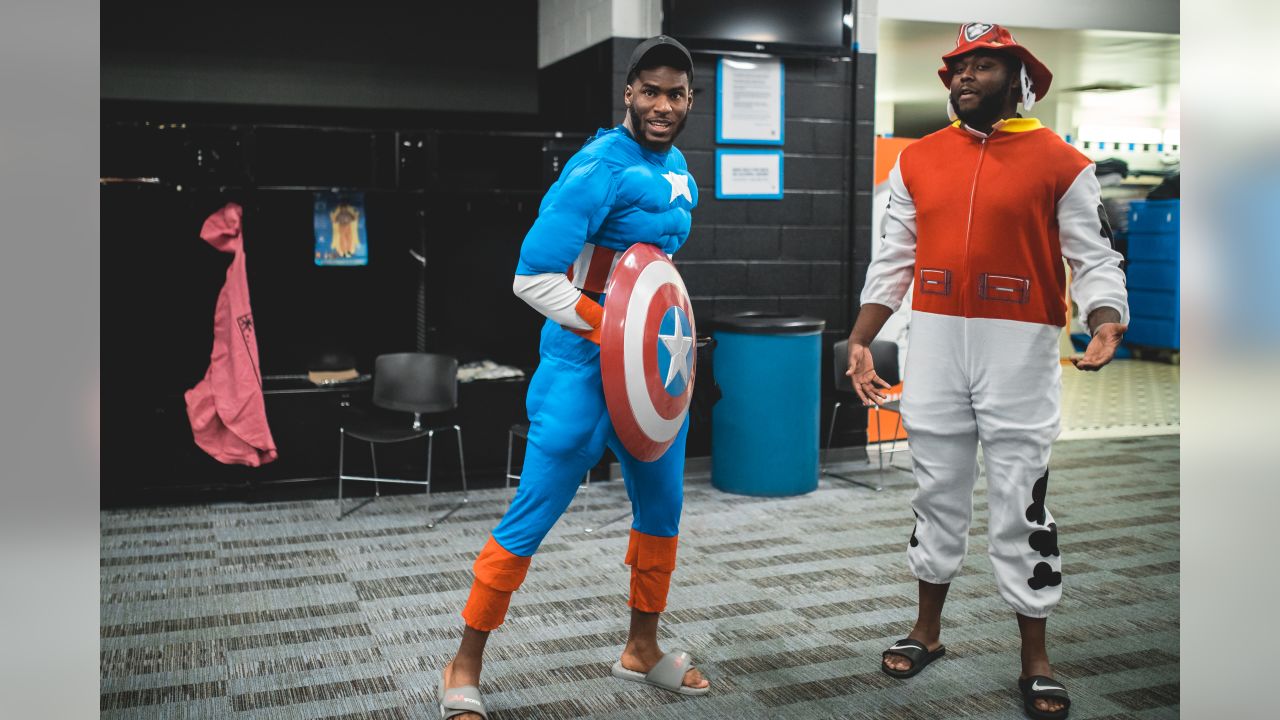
(980, 216)
(627, 185)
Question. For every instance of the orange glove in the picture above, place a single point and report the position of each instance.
(591, 312)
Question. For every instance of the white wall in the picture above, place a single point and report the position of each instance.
(637, 18)
(566, 27)
(1159, 16)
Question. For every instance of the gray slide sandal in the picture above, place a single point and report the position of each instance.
(668, 674)
(460, 700)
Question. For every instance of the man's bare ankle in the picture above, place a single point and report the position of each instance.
(464, 668)
(641, 647)
(931, 631)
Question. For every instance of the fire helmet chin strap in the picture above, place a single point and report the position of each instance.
(1028, 93)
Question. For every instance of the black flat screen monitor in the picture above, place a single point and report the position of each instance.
(773, 27)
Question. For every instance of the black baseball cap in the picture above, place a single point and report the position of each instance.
(665, 50)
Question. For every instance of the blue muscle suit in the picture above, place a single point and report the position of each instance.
(612, 194)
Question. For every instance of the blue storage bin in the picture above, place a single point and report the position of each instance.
(1153, 303)
(1153, 246)
(1153, 332)
(1155, 216)
(764, 428)
(1152, 275)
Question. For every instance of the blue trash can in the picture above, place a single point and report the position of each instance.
(764, 429)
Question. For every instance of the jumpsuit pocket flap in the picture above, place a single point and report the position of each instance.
(935, 282)
(1004, 288)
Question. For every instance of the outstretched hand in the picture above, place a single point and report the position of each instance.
(862, 372)
(1102, 348)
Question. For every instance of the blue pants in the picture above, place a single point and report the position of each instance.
(569, 429)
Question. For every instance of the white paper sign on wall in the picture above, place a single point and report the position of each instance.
(750, 101)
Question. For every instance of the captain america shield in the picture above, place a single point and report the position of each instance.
(648, 350)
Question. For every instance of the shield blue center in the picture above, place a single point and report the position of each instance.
(675, 351)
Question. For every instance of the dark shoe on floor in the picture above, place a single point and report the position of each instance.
(1039, 686)
(915, 651)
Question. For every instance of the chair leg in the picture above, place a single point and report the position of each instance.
(373, 456)
(610, 521)
(462, 464)
(835, 414)
(342, 444)
(430, 446)
(586, 486)
(880, 443)
(510, 441)
(831, 432)
(897, 426)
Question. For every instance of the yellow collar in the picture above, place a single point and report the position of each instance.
(1010, 125)
(1018, 125)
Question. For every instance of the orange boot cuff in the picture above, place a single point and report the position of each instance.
(652, 560)
(498, 574)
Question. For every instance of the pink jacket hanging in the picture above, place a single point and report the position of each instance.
(226, 409)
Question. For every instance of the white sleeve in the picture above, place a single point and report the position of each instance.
(893, 261)
(1085, 236)
(552, 295)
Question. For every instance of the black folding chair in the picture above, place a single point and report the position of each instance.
(418, 383)
(884, 357)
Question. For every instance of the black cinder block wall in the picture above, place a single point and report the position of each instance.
(863, 159)
(805, 254)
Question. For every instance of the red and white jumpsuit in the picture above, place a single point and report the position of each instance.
(981, 224)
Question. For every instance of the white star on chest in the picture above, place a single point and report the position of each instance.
(678, 345)
(679, 186)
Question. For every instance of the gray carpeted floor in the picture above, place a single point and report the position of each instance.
(279, 611)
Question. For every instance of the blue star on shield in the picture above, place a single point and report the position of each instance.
(675, 351)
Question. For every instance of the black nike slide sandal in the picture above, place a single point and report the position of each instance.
(915, 651)
(1039, 686)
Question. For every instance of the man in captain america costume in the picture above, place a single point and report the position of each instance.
(628, 184)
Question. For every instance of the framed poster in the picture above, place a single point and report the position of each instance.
(341, 238)
(749, 101)
(748, 174)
